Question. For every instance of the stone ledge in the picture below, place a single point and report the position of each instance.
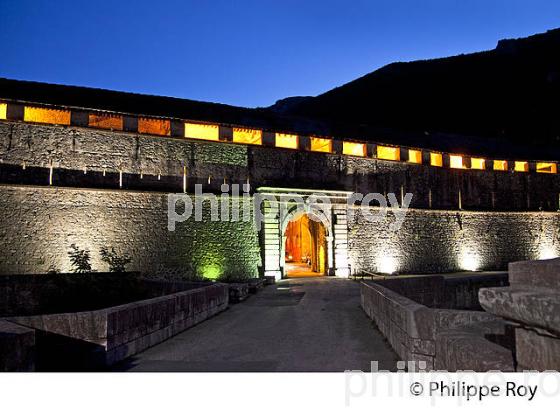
(532, 306)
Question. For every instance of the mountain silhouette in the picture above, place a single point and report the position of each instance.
(500, 102)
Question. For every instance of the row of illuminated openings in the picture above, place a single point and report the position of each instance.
(211, 132)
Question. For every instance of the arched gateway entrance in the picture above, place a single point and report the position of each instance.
(305, 247)
(303, 240)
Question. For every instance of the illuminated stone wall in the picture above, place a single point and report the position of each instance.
(443, 241)
(77, 148)
(38, 225)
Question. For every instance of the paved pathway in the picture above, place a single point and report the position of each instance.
(309, 324)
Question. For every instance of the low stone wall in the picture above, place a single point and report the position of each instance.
(39, 294)
(437, 291)
(532, 304)
(461, 292)
(85, 340)
(442, 338)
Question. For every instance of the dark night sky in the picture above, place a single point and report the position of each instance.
(247, 53)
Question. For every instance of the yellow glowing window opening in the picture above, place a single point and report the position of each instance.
(500, 165)
(286, 141)
(247, 136)
(154, 126)
(436, 159)
(456, 161)
(202, 131)
(521, 166)
(46, 115)
(354, 148)
(547, 167)
(321, 144)
(415, 156)
(390, 153)
(106, 121)
(478, 163)
(3, 111)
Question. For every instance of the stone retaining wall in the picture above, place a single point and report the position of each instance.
(442, 338)
(433, 241)
(38, 225)
(83, 340)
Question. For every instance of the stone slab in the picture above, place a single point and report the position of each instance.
(542, 273)
(536, 307)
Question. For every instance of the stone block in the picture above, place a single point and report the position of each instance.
(536, 351)
(543, 273)
(238, 292)
(532, 306)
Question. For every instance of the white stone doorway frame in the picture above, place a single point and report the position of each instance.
(278, 211)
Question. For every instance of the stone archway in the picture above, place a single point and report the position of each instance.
(277, 213)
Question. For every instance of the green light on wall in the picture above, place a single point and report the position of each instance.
(211, 271)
